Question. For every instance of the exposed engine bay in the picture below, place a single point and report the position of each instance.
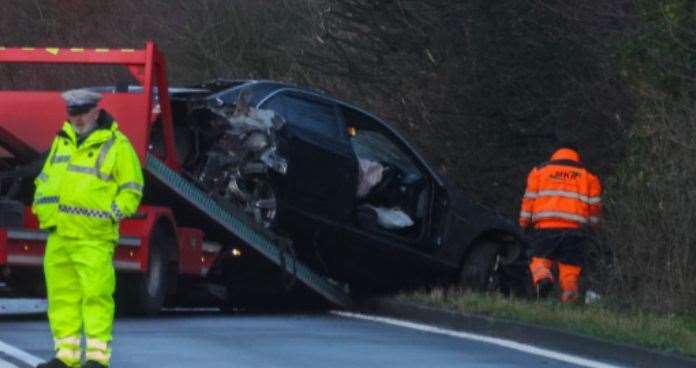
(230, 153)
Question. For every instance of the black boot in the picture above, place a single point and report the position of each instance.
(543, 288)
(93, 364)
(53, 363)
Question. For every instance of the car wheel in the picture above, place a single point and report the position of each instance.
(479, 270)
(145, 293)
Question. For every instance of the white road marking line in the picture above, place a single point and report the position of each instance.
(6, 364)
(525, 348)
(20, 355)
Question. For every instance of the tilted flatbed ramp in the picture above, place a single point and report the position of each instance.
(246, 233)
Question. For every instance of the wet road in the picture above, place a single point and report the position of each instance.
(212, 339)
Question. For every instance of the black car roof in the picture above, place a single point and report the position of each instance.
(279, 87)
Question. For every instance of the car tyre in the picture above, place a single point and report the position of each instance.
(145, 293)
(479, 271)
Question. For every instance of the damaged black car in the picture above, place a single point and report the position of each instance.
(360, 204)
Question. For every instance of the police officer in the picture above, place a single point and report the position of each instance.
(90, 181)
(562, 201)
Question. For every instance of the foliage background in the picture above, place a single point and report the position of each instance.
(485, 89)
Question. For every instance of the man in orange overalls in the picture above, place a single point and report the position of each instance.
(562, 200)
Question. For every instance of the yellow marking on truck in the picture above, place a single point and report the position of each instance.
(52, 50)
(128, 50)
(28, 48)
(77, 49)
(101, 50)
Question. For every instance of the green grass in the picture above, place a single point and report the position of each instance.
(669, 333)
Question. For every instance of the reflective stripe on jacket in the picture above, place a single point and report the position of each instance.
(85, 189)
(561, 194)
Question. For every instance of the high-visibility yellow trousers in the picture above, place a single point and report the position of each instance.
(80, 283)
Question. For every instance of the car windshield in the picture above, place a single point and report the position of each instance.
(258, 90)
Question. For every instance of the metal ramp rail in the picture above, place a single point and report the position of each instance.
(244, 232)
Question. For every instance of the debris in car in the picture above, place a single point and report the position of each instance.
(370, 175)
(236, 168)
(391, 218)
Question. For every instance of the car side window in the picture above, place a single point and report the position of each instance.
(371, 142)
(375, 146)
(311, 115)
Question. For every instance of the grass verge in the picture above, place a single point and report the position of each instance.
(669, 333)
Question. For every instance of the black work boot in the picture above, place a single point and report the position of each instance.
(543, 288)
(53, 363)
(93, 364)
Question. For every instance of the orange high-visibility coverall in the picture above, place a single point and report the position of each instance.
(562, 198)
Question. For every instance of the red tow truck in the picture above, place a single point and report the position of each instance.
(180, 241)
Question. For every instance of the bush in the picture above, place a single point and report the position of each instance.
(650, 211)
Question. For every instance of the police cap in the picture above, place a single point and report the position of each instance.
(80, 101)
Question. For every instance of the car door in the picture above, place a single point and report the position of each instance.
(322, 168)
(397, 254)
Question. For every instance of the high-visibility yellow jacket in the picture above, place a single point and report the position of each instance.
(86, 188)
(561, 194)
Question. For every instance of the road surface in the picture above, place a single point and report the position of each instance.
(212, 339)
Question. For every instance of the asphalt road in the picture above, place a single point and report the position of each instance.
(212, 339)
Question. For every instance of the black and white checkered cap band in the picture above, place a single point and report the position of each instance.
(84, 211)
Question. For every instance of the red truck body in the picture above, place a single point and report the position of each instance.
(29, 120)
